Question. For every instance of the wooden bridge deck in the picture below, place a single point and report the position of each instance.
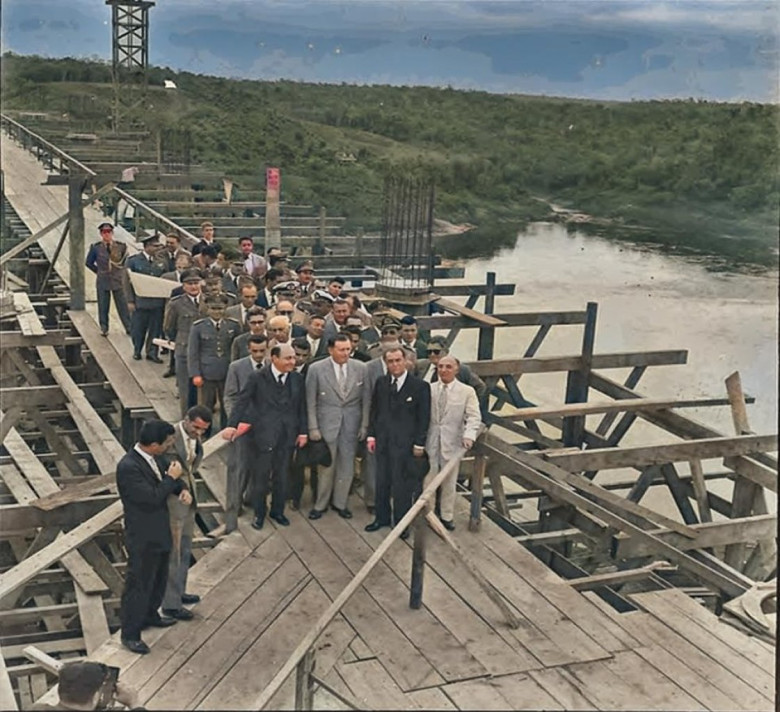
(263, 590)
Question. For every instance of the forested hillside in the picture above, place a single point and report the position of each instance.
(694, 175)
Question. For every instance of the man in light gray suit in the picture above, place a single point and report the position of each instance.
(338, 403)
(238, 375)
(455, 422)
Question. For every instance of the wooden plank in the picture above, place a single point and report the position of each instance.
(610, 458)
(568, 692)
(8, 419)
(616, 577)
(7, 699)
(482, 694)
(23, 520)
(682, 653)
(523, 692)
(758, 678)
(371, 685)
(451, 660)
(700, 490)
(550, 364)
(397, 654)
(92, 614)
(639, 404)
(76, 493)
(709, 534)
(756, 472)
(431, 699)
(455, 308)
(31, 396)
(27, 569)
(17, 340)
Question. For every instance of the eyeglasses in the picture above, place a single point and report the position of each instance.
(434, 351)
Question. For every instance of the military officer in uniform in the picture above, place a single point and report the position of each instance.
(147, 320)
(208, 353)
(180, 314)
(106, 258)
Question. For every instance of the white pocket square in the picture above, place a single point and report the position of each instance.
(409, 399)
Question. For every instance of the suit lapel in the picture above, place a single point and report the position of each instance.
(145, 466)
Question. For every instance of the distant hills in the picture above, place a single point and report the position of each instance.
(586, 49)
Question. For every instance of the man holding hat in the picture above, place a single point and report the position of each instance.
(106, 258)
(147, 311)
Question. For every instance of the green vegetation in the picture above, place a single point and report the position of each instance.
(693, 175)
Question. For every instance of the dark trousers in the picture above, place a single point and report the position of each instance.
(146, 325)
(145, 580)
(211, 392)
(188, 394)
(298, 482)
(394, 481)
(238, 466)
(104, 302)
(269, 470)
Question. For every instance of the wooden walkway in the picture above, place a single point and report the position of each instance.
(263, 590)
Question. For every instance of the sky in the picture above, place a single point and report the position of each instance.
(607, 49)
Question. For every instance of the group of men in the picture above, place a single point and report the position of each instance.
(303, 377)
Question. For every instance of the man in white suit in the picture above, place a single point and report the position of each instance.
(455, 421)
(338, 403)
(238, 376)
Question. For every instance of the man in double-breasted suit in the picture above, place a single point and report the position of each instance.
(338, 402)
(144, 485)
(273, 403)
(188, 450)
(238, 458)
(147, 319)
(397, 432)
(455, 421)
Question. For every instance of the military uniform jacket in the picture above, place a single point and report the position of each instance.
(180, 314)
(108, 264)
(208, 349)
(142, 265)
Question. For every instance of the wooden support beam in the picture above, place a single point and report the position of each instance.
(573, 429)
(446, 321)
(638, 404)
(679, 493)
(47, 662)
(24, 519)
(18, 340)
(551, 364)
(709, 535)
(477, 490)
(8, 419)
(26, 570)
(7, 698)
(94, 625)
(479, 317)
(607, 458)
(700, 490)
(76, 493)
(525, 465)
(587, 583)
(29, 396)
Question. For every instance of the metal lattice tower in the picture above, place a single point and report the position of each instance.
(129, 56)
(406, 264)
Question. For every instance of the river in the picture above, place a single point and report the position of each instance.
(646, 301)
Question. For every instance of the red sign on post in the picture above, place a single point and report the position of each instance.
(272, 179)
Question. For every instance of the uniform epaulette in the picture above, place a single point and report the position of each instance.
(179, 296)
(230, 318)
(198, 321)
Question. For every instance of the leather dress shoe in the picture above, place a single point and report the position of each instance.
(190, 598)
(180, 614)
(316, 514)
(449, 525)
(375, 526)
(154, 359)
(161, 622)
(404, 534)
(136, 646)
(280, 519)
(136, 357)
(169, 373)
(343, 513)
(258, 523)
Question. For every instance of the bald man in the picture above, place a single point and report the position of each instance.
(273, 403)
(455, 423)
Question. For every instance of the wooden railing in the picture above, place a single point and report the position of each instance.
(420, 516)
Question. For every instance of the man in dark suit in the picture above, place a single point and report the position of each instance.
(188, 450)
(397, 431)
(144, 487)
(273, 403)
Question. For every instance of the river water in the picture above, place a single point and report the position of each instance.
(646, 301)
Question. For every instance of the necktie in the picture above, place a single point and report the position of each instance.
(218, 325)
(442, 401)
(394, 386)
(435, 376)
(281, 379)
(258, 366)
(342, 377)
(156, 468)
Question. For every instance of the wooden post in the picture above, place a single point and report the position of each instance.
(487, 334)
(497, 487)
(477, 485)
(321, 225)
(77, 251)
(418, 561)
(304, 684)
(359, 243)
(577, 382)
